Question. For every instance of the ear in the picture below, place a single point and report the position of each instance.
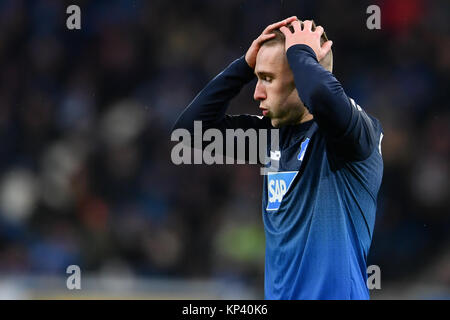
(326, 47)
(327, 61)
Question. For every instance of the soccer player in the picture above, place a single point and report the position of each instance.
(319, 207)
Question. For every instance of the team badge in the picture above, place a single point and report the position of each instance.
(303, 147)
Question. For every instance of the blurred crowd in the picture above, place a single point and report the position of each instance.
(85, 116)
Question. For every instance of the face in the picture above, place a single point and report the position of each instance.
(275, 89)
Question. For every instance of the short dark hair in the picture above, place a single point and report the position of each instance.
(327, 61)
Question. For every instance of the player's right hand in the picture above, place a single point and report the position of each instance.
(267, 34)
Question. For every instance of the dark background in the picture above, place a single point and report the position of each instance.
(85, 115)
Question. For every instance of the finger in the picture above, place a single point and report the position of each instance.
(296, 25)
(265, 37)
(320, 30)
(307, 25)
(291, 19)
(279, 24)
(285, 31)
(326, 47)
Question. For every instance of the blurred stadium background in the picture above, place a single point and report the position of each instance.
(85, 170)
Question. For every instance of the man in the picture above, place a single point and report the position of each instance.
(319, 206)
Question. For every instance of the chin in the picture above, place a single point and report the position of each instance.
(276, 123)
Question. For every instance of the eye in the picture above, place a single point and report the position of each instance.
(267, 79)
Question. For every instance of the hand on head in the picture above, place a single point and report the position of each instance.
(267, 34)
(306, 36)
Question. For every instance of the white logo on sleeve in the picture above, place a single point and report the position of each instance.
(356, 106)
(379, 145)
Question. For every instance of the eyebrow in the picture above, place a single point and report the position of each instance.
(264, 73)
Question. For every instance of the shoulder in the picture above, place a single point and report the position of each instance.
(248, 121)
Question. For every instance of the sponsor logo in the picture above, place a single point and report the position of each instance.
(278, 184)
(275, 155)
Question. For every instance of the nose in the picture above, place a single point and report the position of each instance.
(260, 92)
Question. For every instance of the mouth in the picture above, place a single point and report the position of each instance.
(265, 112)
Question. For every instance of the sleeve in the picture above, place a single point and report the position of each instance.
(349, 131)
(211, 104)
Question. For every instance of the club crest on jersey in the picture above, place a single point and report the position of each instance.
(278, 184)
(303, 147)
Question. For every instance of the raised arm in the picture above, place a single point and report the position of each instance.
(347, 127)
(210, 105)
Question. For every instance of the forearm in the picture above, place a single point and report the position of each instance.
(346, 126)
(319, 90)
(210, 105)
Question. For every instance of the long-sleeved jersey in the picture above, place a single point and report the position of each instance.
(319, 205)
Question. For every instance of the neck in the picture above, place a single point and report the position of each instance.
(306, 117)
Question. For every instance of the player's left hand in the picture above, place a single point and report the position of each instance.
(306, 36)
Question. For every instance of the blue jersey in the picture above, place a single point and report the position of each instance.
(319, 204)
(319, 215)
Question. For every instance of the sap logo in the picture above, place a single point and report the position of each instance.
(278, 183)
(277, 189)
